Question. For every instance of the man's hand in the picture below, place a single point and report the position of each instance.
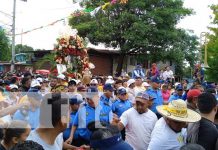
(115, 120)
(69, 140)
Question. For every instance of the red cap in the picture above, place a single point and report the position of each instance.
(193, 93)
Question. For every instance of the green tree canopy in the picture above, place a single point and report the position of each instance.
(212, 72)
(19, 48)
(5, 51)
(136, 27)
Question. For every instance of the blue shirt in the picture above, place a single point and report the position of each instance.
(158, 99)
(106, 100)
(175, 96)
(66, 133)
(119, 106)
(87, 114)
(32, 117)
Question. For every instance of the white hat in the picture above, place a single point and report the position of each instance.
(177, 110)
(94, 81)
(13, 86)
(61, 76)
(145, 84)
(109, 81)
(39, 79)
(109, 77)
(35, 83)
(130, 81)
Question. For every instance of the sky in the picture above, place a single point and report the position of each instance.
(37, 13)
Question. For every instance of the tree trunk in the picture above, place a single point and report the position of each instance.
(120, 64)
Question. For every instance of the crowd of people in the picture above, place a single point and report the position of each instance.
(145, 111)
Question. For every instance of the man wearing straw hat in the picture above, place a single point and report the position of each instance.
(169, 132)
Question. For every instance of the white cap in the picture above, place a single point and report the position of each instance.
(145, 84)
(94, 81)
(13, 86)
(130, 81)
(109, 81)
(35, 83)
(61, 76)
(39, 79)
(109, 77)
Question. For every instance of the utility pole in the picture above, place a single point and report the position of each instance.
(13, 37)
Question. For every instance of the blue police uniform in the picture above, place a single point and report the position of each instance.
(106, 100)
(119, 106)
(158, 99)
(87, 114)
(175, 96)
(66, 133)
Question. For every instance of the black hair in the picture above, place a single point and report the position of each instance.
(206, 102)
(13, 80)
(53, 100)
(192, 147)
(101, 131)
(119, 81)
(28, 145)
(27, 74)
(72, 82)
(24, 80)
(15, 129)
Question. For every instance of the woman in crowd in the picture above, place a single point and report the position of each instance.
(16, 132)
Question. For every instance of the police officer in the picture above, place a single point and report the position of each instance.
(74, 102)
(108, 93)
(93, 110)
(121, 105)
(156, 95)
(178, 94)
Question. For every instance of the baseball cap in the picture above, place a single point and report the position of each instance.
(94, 81)
(121, 91)
(155, 80)
(130, 81)
(13, 86)
(112, 143)
(61, 76)
(142, 95)
(193, 93)
(109, 81)
(108, 87)
(72, 82)
(76, 99)
(179, 87)
(40, 80)
(110, 77)
(34, 93)
(91, 91)
(35, 83)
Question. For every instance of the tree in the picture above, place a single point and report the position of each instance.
(212, 72)
(5, 51)
(136, 26)
(22, 48)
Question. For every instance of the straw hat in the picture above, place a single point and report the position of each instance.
(177, 110)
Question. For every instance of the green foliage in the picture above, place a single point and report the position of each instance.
(139, 26)
(5, 50)
(212, 72)
(19, 48)
(48, 58)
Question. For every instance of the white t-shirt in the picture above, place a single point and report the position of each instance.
(164, 138)
(138, 127)
(131, 95)
(168, 74)
(58, 143)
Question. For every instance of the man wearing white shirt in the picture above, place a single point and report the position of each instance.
(168, 74)
(139, 122)
(169, 132)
